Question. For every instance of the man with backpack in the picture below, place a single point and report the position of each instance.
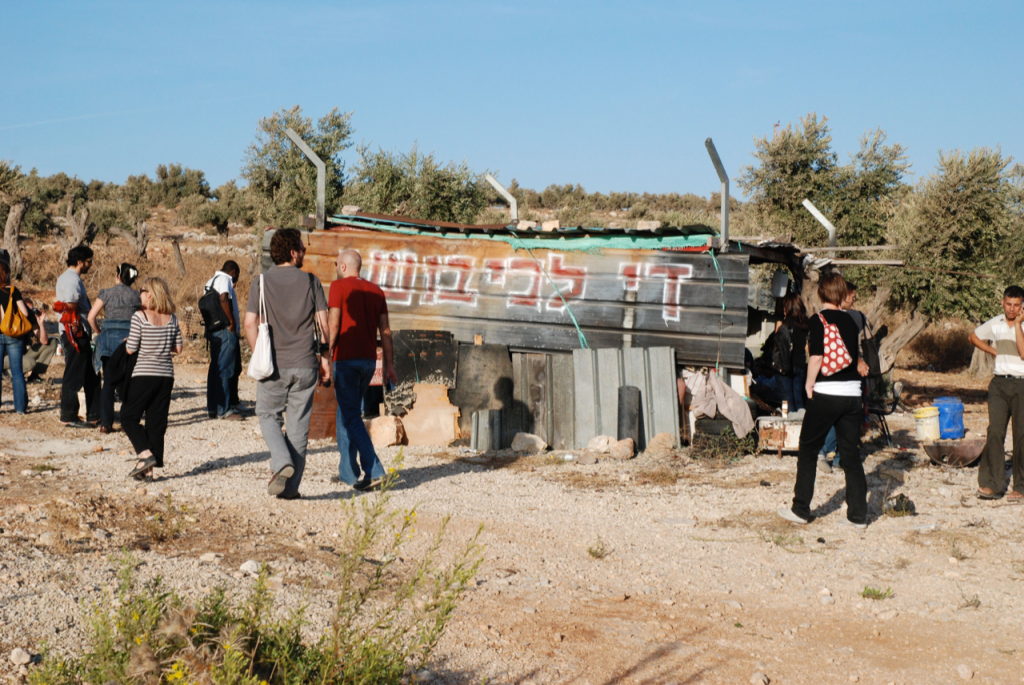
(219, 307)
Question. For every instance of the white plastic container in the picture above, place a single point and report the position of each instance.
(927, 421)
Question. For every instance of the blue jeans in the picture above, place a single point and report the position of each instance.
(112, 335)
(792, 388)
(830, 447)
(14, 348)
(351, 379)
(223, 362)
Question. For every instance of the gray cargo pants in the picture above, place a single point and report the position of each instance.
(1005, 403)
(287, 391)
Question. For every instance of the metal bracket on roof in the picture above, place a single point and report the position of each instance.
(505, 194)
(724, 178)
(321, 175)
(816, 213)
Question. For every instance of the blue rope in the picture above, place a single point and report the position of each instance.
(721, 317)
(579, 331)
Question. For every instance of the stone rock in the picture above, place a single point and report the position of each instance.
(647, 225)
(251, 567)
(528, 442)
(47, 539)
(586, 458)
(351, 209)
(19, 657)
(601, 443)
(552, 225)
(965, 672)
(826, 600)
(659, 445)
(101, 534)
(211, 558)
(385, 431)
(894, 474)
(97, 448)
(96, 486)
(622, 449)
(888, 615)
(759, 678)
(275, 583)
(526, 225)
(433, 419)
(141, 492)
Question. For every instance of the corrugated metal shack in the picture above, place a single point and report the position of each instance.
(541, 294)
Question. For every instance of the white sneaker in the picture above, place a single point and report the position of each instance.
(787, 513)
(847, 523)
(825, 465)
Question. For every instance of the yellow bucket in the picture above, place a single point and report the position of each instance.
(927, 420)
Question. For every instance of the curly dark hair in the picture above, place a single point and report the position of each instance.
(82, 253)
(284, 241)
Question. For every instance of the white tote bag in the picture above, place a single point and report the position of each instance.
(262, 363)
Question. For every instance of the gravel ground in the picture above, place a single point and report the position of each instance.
(700, 582)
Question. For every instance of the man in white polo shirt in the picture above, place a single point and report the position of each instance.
(1005, 398)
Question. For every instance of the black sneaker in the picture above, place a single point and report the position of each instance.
(290, 495)
(366, 484)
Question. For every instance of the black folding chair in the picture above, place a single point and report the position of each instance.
(882, 406)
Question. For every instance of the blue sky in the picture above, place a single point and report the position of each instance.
(614, 96)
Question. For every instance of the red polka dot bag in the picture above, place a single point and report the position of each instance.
(835, 357)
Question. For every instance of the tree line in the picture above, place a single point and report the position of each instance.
(954, 228)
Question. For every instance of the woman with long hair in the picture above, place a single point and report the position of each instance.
(11, 348)
(154, 336)
(795, 320)
(833, 399)
(119, 302)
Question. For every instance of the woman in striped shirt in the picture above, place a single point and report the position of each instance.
(154, 336)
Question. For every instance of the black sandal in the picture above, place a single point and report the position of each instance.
(147, 464)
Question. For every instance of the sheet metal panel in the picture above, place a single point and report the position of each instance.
(641, 298)
(600, 373)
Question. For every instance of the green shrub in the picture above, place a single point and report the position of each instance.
(388, 616)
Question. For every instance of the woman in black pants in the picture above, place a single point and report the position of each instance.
(153, 338)
(832, 400)
(118, 303)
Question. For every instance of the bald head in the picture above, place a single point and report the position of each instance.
(349, 264)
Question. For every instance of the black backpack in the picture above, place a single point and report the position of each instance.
(213, 314)
(782, 351)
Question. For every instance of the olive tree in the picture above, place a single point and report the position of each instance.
(417, 185)
(281, 181)
(13, 196)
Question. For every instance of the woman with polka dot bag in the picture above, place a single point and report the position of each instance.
(833, 400)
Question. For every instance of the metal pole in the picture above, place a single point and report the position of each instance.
(724, 178)
(505, 194)
(824, 222)
(321, 176)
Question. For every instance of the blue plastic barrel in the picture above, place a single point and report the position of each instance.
(951, 417)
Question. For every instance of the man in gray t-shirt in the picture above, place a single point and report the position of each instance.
(293, 299)
(79, 372)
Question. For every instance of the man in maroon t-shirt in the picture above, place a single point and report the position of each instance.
(357, 310)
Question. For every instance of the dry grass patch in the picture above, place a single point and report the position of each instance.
(764, 525)
(587, 480)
